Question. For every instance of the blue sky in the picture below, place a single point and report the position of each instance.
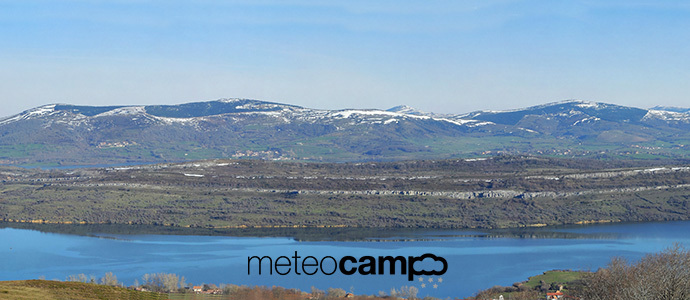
(441, 56)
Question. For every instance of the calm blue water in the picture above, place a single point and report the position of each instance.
(476, 261)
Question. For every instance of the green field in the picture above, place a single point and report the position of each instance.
(559, 277)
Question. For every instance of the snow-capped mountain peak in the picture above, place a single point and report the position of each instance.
(227, 127)
(671, 109)
(404, 109)
(30, 114)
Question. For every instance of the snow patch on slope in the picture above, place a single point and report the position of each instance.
(666, 115)
(586, 120)
(404, 109)
(344, 114)
(377, 116)
(587, 104)
(578, 103)
(31, 114)
(123, 111)
(466, 122)
(185, 121)
(229, 100)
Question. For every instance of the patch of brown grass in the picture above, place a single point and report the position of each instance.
(58, 290)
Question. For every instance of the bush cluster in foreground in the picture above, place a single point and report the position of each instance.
(660, 276)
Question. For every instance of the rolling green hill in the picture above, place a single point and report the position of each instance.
(496, 192)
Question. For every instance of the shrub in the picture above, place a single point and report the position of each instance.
(660, 276)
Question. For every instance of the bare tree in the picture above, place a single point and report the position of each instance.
(661, 276)
(317, 293)
(110, 279)
(79, 278)
(407, 292)
(335, 293)
(163, 282)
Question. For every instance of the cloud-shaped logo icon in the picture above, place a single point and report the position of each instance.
(413, 272)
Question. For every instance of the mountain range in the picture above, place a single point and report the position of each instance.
(63, 134)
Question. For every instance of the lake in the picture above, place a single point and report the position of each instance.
(476, 259)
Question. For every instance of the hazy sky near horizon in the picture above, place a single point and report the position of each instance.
(436, 55)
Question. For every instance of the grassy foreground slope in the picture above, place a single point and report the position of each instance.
(54, 290)
(58, 290)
